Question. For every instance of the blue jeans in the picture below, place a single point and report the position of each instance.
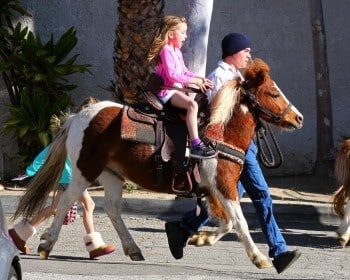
(254, 183)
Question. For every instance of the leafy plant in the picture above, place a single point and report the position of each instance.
(9, 9)
(35, 74)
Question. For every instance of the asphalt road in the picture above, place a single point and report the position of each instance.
(322, 257)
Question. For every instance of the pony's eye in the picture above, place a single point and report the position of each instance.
(275, 95)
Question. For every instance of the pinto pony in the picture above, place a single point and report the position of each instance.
(341, 197)
(92, 140)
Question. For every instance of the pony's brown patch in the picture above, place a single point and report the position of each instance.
(217, 209)
(227, 177)
(215, 131)
(100, 139)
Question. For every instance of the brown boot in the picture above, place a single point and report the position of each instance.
(20, 233)
(96, 246)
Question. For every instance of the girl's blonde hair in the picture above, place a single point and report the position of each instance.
(161, 38)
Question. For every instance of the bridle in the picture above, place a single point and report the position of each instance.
(265, 153)
(254, 103)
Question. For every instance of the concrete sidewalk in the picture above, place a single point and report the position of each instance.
(292, 204)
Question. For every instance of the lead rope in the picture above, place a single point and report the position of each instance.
(265, 153)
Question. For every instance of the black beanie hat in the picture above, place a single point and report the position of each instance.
(233, 43)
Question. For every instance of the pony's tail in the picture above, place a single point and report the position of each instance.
(342, 175)
(47, 177)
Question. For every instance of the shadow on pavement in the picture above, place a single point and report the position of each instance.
(307, 183)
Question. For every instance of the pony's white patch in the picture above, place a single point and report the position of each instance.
(281, 92)
(244, 109)
(235, 210)
(93, 109)
(207, 171)
(293, 108)
(80, 122)
(240, 224)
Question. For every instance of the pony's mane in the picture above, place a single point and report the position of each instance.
(223, 103)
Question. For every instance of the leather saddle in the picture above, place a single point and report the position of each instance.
(164, 126)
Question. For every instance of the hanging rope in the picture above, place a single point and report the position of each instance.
(265, 153)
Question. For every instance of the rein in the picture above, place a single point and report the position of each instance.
(263, 144)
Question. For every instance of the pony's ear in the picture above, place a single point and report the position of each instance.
(255, 80)
(260, 77)
(258, 70)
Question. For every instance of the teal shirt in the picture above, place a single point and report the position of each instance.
(39, 161)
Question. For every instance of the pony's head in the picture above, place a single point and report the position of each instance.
(266, 98)
(260, 95)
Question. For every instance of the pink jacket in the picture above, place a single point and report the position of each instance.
(172, 68)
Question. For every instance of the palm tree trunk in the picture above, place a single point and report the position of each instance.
(138, 21)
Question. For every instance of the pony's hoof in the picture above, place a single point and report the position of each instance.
(202, 238)
(193, 240)
(43, 253)
(261, 262)
(343, 239)
(136, 257)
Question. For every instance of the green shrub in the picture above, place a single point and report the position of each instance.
(35, 74)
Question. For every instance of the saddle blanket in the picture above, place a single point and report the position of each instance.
(136, 131)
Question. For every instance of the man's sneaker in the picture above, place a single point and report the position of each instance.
(202, 151)
(177, 238)
(285, 260)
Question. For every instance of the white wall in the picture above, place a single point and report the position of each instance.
(281, 35)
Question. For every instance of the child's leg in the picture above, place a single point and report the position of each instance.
(182, 101)
(93, 240)
(23, 230)
(198, 148)
(88, 209)
(47, 211)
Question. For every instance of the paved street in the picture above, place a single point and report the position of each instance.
(322, 257)
(312, 233)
